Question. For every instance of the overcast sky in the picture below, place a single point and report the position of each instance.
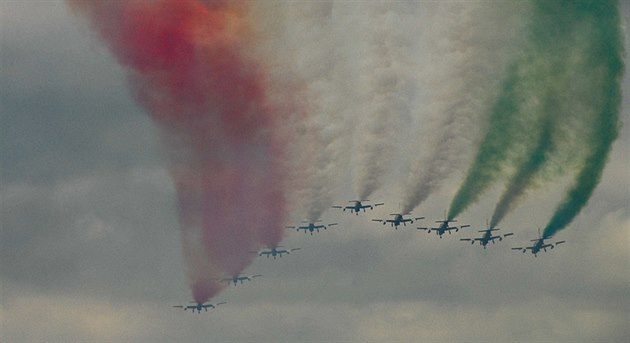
(91, 251)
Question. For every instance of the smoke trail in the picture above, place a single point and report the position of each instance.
(187, 66)
(496, 147)
(569, 104)
(556, 65)
(460, 74)
(386, 97)
(521, 180)
(320, 145)
(604, 65)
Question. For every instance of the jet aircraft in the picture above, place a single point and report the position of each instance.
(199, 306)
(397, 220)
(444, 227)
(275, 252)
(487, 237)
(239, 278)
(312, 226)
(357, 206)
(539, 244)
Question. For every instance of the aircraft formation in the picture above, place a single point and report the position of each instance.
(487, 235)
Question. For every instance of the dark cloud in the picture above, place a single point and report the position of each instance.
(66, 108)
(82, 182)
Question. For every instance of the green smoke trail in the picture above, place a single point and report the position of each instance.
(493, 149)
(521, 180)
(558, 42)
(555, 75)
(515, 115)
(606, 67)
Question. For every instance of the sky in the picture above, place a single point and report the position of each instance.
(91, 246)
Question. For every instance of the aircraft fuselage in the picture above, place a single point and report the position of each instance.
(358, 206)
(537, 246)
(443, 228)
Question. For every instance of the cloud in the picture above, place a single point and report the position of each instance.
(65, 109)
(70, 237)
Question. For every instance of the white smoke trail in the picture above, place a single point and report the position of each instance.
(385, 84)
(466, 55)
(311, 43)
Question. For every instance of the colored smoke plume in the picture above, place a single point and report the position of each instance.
(559, 102)
(187, 66)
(601, 72)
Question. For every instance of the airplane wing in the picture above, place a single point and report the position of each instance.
(336, 206)
(377, 220)
(418, 218)
(178, 306)
(467, 239)
(379, 204)
(463, 226)
(333, 224)
(294, 249)
(423, 228)
(559, 242)
(253, 276)
(290, 227)
(508, 234)
(264, 253)
(213, 305)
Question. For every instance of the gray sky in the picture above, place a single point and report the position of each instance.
(91, 252)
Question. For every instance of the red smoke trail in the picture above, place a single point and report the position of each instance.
(187, 66)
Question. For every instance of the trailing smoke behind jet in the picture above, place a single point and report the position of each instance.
(188, 67)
